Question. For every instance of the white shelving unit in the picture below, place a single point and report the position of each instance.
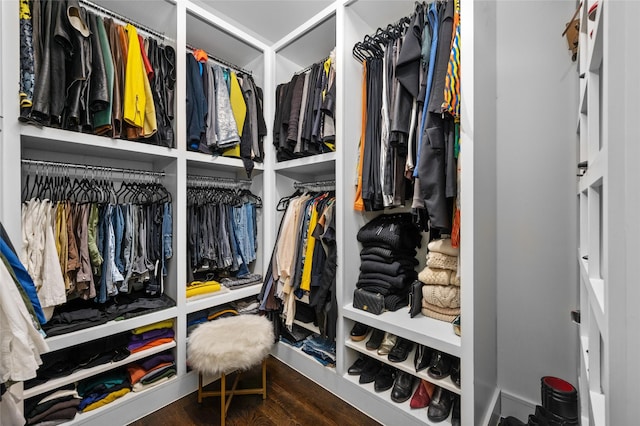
(229, 32)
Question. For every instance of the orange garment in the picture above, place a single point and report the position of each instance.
(153, 344)
(358, 204)
(136, 372)
(200, 55)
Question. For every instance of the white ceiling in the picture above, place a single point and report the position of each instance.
(267, 20)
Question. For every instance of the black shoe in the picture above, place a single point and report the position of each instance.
(369, 370)
(455, 411)
(440, 405)
(400, 350)
(455, 373)
(440, 366)
(422, 357)
(359, 332)
(384, 378)
(402, 387)
(356, 367)
(375, 340)
(511, 421)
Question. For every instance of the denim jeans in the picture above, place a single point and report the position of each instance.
(117, 220)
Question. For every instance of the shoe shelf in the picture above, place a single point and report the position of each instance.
(89, 372)
(306, 365)
(67, 141)
(406, 365)
(418, 414)
(221, 297)
(107, 329)
(426, 331)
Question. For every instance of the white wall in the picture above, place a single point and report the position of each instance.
(537, 202)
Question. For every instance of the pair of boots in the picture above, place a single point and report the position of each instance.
(542, 417)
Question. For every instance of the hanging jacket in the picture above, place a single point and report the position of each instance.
(196, 104)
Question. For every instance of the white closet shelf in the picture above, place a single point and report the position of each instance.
(598, 408)
(89, 372)
(317, 34)
(593, 175)
(594, 58)
(305, 365)
(86, 418)
(430, 332)
(312, 165)
(379, 13)
(406, 365)
(110, 328)
(307, 326)
(218, 299)
(584, 83)
(66, 141)
(419, 414)
(199, 159)
(595, 289)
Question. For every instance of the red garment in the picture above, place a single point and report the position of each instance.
(152, 344)
(145, 60)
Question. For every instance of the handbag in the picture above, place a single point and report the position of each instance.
(415, 298)
(368, 301)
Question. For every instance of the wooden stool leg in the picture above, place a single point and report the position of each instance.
(264, 378)
(199, 388)
(223, 390)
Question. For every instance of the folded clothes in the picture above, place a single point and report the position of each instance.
(393, 269)
(442, 296)
(107, 399)
(102, 383)
(68, 413)
(243, 281)
(154, 360)
(399, 281)
(155, 375)
(167, 333)
(152, 344)
(389, 254)
(435, 276)
(443, 246)
(407, 260)
(137, 372)
(203, 289)
(442, 261)
(49, 413)
(139, 387)
(149, 335)
(323, 350)
(442, 314)
(162, 324)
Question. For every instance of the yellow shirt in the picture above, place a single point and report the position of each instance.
(135, 99)
(156, 326)
(305, 283)
(107, 399)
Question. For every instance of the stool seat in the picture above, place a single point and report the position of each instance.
(229, 344)
(226, 345)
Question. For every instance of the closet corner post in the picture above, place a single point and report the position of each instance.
(271, 197)
(9, 125)
(181, 70)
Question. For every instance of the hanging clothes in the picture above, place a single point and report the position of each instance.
(86, 240)
(224, 111)
(411, 94)
(82, 72)
(305, 106)
(223, 235)
(304, 261)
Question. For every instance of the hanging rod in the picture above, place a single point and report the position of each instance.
(322, 61)
(124, 19)
(220, 61)
(86, 167)
(197, 181)
(320, 184)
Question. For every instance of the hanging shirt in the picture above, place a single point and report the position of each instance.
(135, 98)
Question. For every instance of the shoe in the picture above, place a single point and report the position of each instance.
(440, 366)
(422, 396)
(511, 421)
(375, 339)
(455, 373)
(440, 406)
(359, 332)
(400, 350)
(387, 344)
(369, 371)
(384, 378)
(456, 325)
(356, 367)
(402, 387)
(455, 411)
(422, 357)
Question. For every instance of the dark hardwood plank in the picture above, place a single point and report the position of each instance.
(292, 400)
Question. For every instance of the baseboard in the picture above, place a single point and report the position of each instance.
(492, 415)
(516, 406)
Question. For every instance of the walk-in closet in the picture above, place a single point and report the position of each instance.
(164, 163)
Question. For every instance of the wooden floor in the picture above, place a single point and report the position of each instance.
(292, 399)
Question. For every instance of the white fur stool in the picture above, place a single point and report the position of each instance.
(226, 345)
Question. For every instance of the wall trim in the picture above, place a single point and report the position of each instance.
(515, 405)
